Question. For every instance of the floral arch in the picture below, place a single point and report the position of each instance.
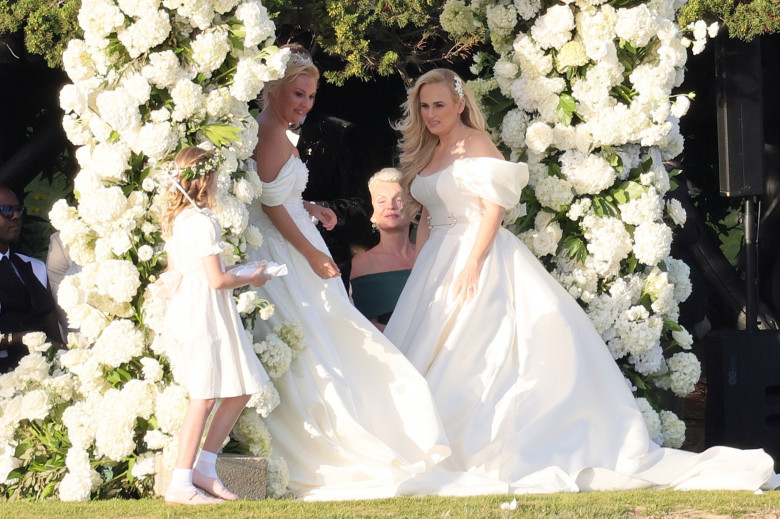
(580, 90)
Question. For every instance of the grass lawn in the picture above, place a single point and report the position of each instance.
(628, 504)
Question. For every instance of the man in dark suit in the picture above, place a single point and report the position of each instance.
(26, 303)
(335, 154)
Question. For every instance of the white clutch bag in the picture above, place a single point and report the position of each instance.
(272, 269)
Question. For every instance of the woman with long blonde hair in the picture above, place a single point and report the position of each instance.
(528, 392)
(356, 420)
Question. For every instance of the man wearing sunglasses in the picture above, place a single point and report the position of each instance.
(26, 303)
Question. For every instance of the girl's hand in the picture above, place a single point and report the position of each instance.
(466, 283)
(259, 278)
(323, 265)
(324, 215)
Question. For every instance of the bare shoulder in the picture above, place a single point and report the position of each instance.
(272, 152)
(362, 264)
(479, 144)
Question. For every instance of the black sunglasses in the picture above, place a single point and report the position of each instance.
(8, 210)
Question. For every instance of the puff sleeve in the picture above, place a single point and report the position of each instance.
(204, 234)
(494, 180)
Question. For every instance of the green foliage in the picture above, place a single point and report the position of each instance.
(366, 37)
(47, 25)
(743, 19)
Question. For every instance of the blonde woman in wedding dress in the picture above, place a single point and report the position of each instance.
(356, 419)
(529, 395)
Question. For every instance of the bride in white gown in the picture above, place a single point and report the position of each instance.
(356, 419)
(529, 395)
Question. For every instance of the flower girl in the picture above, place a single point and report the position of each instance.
(210, 353)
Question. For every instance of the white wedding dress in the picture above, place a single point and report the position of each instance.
(529, 395)
(356, 419)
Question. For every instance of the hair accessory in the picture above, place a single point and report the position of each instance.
(299, 57)
(175, 172)
(201, 168)
(459, 86)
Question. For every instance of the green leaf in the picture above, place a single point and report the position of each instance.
(48, 489)
(220, 134)
(566, 107)
(672, 326)
(576, 248)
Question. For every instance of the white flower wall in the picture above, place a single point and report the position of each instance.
(581, 90)
(148, 78)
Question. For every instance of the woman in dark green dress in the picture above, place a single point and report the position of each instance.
(378, 275)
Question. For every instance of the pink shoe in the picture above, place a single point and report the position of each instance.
(213, 486)
(175, 496)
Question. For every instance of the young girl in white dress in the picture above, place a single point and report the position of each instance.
(211, 355)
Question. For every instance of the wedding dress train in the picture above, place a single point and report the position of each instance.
(356, 419)
(529, 395)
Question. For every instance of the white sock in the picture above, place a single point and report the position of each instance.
(182, 479)
(207, 464)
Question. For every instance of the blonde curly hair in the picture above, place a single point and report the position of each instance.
(196, 189)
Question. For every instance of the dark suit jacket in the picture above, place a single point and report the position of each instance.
(23, 306)
(335, 154)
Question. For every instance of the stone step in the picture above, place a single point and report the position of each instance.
(245, 475)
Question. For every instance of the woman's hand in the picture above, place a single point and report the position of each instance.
(466, 283)
(322, 264)
(324, 215)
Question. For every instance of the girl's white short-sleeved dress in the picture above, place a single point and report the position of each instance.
(211, 355)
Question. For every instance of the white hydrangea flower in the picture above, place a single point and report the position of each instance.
(458, 19)
(119, 110)
(170, 406)
(513, 128)
(648, 362)
(684, 373)
(527, 9)
(608, 243)
(188, 99)
(258, 27)
(209, 49)
(252, 432)
(647, 208)
(652, 242)
(77, 61)
(99, 18)
(639, 331)
(278, 478)
(554, 192)
(652, 420)
(162, 69)
(553, 28)
(673, 430)
(680, 277)
(275, 355)
(589, 174)
(144, 466)
(119, 342)
(636, 24)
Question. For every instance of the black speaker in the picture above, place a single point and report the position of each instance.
(743, 390)
(740, 117)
